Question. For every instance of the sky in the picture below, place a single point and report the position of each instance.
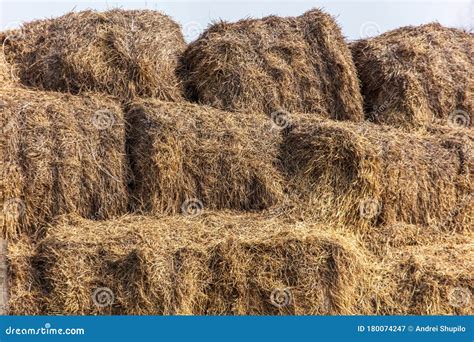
(358, 19)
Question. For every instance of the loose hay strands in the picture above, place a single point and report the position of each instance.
(122, 53)
(5, 71)
(433, 279)
(184, 153)
(275, 64)
(24, 290)
(217, 263)
(60, 154)
(366, 174)
(415, 76)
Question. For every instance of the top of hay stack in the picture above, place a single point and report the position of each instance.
(295, 64)
(122, 53)
(415, 76)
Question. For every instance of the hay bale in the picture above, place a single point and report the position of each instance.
(366, 174)
(24, 291)
(185, 153)
(60, 154)
(122, 53)
(431, 280)
(415, 76)
(273, 64)
(218, 263)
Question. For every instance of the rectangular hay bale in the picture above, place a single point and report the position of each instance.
(186, 156)
(60, 154)
(217, 263)
(367, 174)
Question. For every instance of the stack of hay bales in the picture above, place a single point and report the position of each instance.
(183, 152)
(218, 263)
(275, 64)
(356, 191)
(121, 53)
(367, 175)
(414, 76)
(60, 153)
(65, 152)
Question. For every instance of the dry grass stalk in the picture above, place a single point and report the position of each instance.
(24, 293)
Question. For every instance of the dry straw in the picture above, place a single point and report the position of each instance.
(122, 53)
(185, 153)
(60, 154)
(227, 263)
(218, 263)
(409, 194)
(432, 279)
(366, 174)
(275, 64)
(5, 71)
(415, 76)
(24, 293)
